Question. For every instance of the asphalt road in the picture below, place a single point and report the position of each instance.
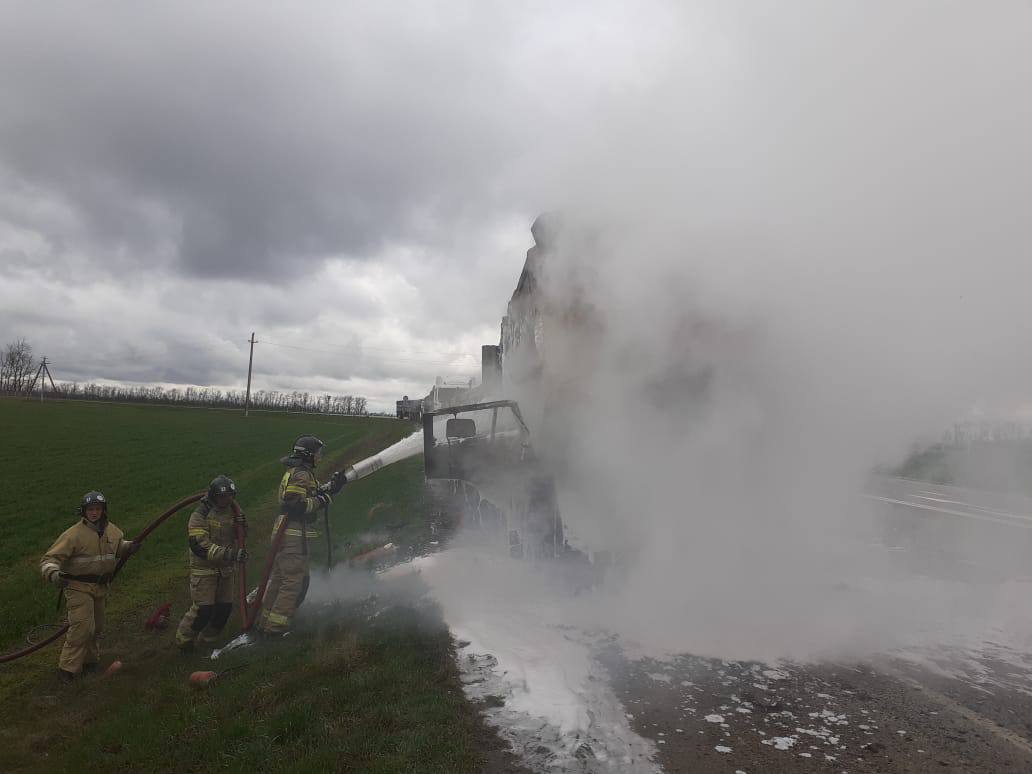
(948, 708)
(948, 688)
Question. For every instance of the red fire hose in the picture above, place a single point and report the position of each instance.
(121, 562)
(33, 648)
(248, 614)
(241, 536)
(157, 523)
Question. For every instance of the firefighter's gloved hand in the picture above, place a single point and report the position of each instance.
(237, 555)
(337, 482)
(59, 579)
(323, 498)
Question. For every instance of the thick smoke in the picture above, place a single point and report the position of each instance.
(805, 249)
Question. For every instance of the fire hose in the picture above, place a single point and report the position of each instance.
(6, 657)
(329, 537)
(248, 613)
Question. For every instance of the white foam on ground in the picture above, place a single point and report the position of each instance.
(529, 653)
(781, 742)
(546, 692)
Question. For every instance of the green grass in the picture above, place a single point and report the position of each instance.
(347, 694)
(144, 458)
(347, 691)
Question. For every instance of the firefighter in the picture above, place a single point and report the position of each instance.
(301, 498)
(81, 563)
(214, 554)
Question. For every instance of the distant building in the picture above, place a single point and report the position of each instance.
(410, 409)
(443, 394)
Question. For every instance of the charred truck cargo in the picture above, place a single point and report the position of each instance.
(478, 457)
(480, 465)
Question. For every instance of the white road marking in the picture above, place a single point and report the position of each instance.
(991, 511)
(1022, 522)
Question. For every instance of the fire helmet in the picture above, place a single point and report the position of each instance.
(92, 498)
(307, 448)
(221, 485)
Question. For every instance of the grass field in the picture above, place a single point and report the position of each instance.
(348, 691)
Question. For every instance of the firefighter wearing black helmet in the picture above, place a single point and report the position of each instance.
(301, 499)
(81, 563)
(214, 555)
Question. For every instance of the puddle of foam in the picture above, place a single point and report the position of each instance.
(557, 708)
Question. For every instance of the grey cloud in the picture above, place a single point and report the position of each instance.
(166, 172)
(256, 143)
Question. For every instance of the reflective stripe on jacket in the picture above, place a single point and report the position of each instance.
(212, 536)
(83, 551)
(300, 506)
(297, 492)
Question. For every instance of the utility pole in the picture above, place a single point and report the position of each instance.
(250, 361)
(42, 371)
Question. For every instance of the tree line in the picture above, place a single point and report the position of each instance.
(17, 369)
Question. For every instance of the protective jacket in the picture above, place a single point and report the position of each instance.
(288, 582)
(300, 506)
(88, 554)
(212, 536)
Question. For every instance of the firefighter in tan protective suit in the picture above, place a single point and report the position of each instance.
(301, 499)
(81, 563)
(214, 554)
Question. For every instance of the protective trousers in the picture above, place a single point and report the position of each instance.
(212, 596)
(85, 624)
(288, 585)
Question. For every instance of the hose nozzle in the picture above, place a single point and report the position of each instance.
(363, 468)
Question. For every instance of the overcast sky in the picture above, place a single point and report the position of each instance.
(353, 178)
(355, 181)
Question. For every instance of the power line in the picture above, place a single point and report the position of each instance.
(450, 365)
(352, 353)
(447, 368)
(364, 347)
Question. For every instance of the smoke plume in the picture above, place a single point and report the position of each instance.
(801, 248)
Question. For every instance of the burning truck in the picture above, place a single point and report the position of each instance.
(514, 453)
(479, 461)
(480, 464)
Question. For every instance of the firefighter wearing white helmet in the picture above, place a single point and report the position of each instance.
(301, 498)
(81, 563)
(214, 555)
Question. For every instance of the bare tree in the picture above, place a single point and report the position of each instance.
(16, 367)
